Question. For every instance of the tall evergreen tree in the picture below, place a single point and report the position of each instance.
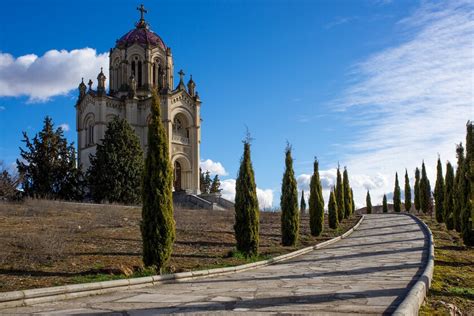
(384, 204)
(347, 194)
(48, 165)
(157, 225)
(340, 196)
(369, 203)
(353, 203)
(407, 192)
(216, 185)
(461, 188)
(467, 214)
(316, 202)
(247, 214)
(417, 190)
(290, 217)
(303, 202)
(332, 210)
(449, 197)
(397, 202)
(116, 170)
(439, 193)
(425, 190)
(206, 182)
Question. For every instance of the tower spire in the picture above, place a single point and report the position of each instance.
(142, 22)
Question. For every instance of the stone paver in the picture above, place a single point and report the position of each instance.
(369, 272)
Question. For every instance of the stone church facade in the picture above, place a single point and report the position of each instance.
(140, 62)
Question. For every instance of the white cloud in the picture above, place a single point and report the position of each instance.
(264, 196)
(411, 101)
(213, 167)
(65, 127)
(54, 73)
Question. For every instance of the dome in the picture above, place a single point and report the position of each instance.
(141, 35)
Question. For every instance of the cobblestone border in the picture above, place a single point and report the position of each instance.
(57, 293)
(415, 297)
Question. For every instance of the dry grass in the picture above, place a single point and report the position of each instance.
(47, 243)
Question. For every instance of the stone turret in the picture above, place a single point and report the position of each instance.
(191, 87)
(101, 83)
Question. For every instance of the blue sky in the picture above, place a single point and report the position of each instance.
(374, 85)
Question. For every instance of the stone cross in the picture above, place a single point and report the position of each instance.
(142, 10)
(181, 74)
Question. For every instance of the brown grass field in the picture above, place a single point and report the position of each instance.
(48, 243)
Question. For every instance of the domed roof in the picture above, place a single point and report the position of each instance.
(141, 35)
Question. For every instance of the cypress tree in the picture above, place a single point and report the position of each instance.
(467, 215)
(439, 193)
(316, 202)
(417, 190)
(332, 210)
(407, 193)
(353, 203)
(425, 190)
(290, 217)
(347, 195)
(369, 203)
(397, 203)
(340, 196)
(158, 225)
(449, 197)
(302, 203)
(461, 188)
(116, 170)
(247, 214)
(384, 204)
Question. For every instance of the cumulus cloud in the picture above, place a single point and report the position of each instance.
(65, 127)
(264, 196)
(214, 167)
(411, 101)
(54, 73)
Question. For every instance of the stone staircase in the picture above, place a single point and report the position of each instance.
(213, 202)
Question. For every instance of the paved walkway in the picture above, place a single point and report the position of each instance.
(369, 272)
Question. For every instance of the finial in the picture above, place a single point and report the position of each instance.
(90, 84)
(181, 75)
(142, 10)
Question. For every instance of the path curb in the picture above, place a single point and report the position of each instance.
(412, 302)
(58, 293)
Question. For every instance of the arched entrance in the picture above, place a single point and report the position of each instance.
(177, 176)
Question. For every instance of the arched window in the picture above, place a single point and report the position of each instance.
(154, 75)
(133, 69)
(140, 82)
(89, 129)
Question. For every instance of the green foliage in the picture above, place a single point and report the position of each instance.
(332, 211)
(347, 195)
(384, 204)
(290, 217)
(467, 215)
(425, 190)
(302, 202)
(417, 189)
(216, 185)
(449, 197)
(48, 165)
(407, 192)
(316, 202)
(205, 182)
(247, 214)
(116, 170)
(397, 202)
(439, 193)
(158, 225)
(353, 203)
(340, 196)
(368, 201)
(461, 188)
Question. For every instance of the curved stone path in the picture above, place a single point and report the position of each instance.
(369, 272)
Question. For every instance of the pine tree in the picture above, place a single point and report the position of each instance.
(302, 203)
(347, 195)
(397, 203)
(407, 192)
(439, 193)
(290, 217)
(157, 225)
(48, 165)
(206, 183)
(216, 185)
(340, 196)
(316, 202)
(467, 215)
(449, 197)
(425, 190)
(116, 170)
(417, 190)
(461, 188)
(384, 204)
(247, 214)
(369, 203)
(332, 210)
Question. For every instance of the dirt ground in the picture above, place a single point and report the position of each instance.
(48, 243)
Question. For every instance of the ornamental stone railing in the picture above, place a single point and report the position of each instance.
(181, 139)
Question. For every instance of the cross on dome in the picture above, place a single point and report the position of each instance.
(142, 10)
